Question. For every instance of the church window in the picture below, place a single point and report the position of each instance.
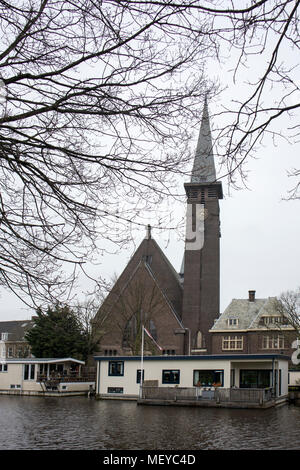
(152, 329)
(116, 368)
(232, 343)
(110, 352)
(171, 376)
(200, 340)
(147, 259)
(130, 331)
(193, 194)
(211, 192)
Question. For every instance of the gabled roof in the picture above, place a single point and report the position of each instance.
(248, 313)
(15, 329)
(161, 269)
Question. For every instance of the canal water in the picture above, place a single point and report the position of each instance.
(81, 423)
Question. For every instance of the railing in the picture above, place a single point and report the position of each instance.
(219, 395)
(243, 395)
(66, 378)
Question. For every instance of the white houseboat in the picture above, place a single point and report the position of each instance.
(32, 376)
(255, 380)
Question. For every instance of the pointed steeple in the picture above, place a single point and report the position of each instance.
(204, 166)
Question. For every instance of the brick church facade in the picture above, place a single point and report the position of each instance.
(181, 310)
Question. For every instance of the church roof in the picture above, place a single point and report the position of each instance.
(159, 268)
(204, 167)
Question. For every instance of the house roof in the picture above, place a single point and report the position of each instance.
(15, 329)
(248, 313)
(34, 360)
(204, 357)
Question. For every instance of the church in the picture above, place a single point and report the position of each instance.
(181, 311)
(177, 309)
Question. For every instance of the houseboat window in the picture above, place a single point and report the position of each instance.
(138, 376)
(3, 367)
(115, 390)
(29, 370)
(170, 376)
(208, 378)
(116, 368)
(255, 378)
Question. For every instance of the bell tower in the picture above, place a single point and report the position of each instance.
(201, 273)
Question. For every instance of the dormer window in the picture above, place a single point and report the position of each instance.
(272, 320)
(233, 321)
(4, 336)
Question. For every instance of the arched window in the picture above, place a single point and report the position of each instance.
(200, 340)
(152, 329)
(129, 333)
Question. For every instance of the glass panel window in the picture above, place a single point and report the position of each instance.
(26, 371)
(232, 342)
(29, 370)
(138, 376)
(115, 390)
(116, 368)
(208, 378)
(255, 378)
(273, 342)
(170, 376)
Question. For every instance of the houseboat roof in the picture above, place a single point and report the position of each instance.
(203, 357)
(34, 360)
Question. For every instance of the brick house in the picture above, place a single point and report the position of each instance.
(12, 339)
(252, 326)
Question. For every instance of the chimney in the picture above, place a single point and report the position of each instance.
(251, 295)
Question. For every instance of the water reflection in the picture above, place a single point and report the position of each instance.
(83, 423)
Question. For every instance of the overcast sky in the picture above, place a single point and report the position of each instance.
(260, 247)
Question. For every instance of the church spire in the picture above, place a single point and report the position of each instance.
(204, 167)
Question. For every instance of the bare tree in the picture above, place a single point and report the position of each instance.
(99, 103)
(96, 104)
(288, 305)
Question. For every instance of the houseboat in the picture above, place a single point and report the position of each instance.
(246, 380)
(47, 377)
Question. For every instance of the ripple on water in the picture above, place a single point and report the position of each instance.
(82, 423)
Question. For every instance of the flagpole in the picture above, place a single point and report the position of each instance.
(142, 362)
